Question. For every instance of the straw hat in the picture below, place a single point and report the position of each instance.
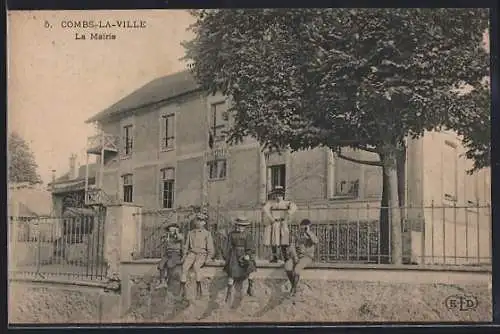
(172, 225)
(242, 221)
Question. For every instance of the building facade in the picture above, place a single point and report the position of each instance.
(169, 152)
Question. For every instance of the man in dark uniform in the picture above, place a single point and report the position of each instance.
(301, 253)
(172, 244)
(240, 257)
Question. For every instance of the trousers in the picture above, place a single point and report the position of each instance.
(299, 265)
(194, 261)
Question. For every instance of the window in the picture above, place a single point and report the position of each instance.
(217, 169)
(218, 121)
(128, 188)
(276, 177)
(346, 180)
(167, 188)
(449, 171)
(167, 132)
(127, 140)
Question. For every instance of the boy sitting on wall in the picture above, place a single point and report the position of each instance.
(172, 259)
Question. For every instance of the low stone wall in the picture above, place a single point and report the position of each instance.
(51, 301)
(334, 293)
(317, 300)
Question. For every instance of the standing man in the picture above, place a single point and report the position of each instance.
(279, 213)
(199, 247)
(301, 253)
(172, 257)
(240, 257)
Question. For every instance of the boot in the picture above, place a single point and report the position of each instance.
(284, 253)
(250, 290)
(229, 293)
(294, 284)
(199, 291)
(274, 251)
(289, 274)
(182, 291)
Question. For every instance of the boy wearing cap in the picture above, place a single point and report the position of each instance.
(240, 256)
(301, 253)
(279, 212)
(199, 247)
(173, 243)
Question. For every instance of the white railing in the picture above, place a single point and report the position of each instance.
(103, 140)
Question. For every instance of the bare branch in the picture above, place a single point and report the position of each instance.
(364, 162)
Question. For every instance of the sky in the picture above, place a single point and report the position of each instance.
(56, 82)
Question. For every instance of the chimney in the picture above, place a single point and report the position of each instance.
(73, 170)
(53, 175)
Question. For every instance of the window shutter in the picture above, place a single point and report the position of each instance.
(162, 131)
(347, 175)
(373, 181)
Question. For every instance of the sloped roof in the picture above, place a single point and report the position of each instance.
(160, 89)
(81, 174)
(32, 202)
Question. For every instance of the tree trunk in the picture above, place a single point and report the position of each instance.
(384, 221)
(385, 229)
(389, 160)
(401, 169)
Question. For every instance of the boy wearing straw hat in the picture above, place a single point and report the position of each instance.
(301, 253)
(199, 247)
(240, 257)
(173, 243)
(279, 212)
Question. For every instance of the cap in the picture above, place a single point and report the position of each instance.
(201, 216)
(242, 221)
(305, 222)
(172, 225)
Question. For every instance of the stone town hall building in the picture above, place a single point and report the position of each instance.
(154, 147)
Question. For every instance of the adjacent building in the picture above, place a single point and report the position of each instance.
(163, 147)
(68, 190)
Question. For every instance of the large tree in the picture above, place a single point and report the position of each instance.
(21, 161)
(474, 125)
(361, 78)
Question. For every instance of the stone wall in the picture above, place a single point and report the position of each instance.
(52, 302)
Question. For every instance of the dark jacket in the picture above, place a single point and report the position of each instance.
(240, 244)
(172, 250)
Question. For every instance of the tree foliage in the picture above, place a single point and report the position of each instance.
(361, 78)
(474, 125)
(21, 160)
(301, 78)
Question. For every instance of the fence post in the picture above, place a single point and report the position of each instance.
(14, 230)
(120, 236)
(39, 247)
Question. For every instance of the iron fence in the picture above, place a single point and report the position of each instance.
(431, 235)
(71, 247)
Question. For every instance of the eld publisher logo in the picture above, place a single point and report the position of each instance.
(461, 303)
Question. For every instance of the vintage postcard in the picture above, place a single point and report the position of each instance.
(264, 165)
